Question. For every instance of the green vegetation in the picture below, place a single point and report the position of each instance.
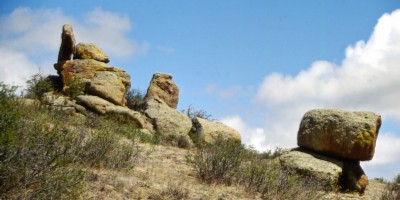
(228, 162)
(75, 88)
(43, 153)
(135, 99)
(393, 189)
(37, 85)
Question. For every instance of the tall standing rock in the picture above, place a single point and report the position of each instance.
(162, 86)
(67, 43)
(343, 134)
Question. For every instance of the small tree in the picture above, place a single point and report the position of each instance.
(135, 99)
(37, 85)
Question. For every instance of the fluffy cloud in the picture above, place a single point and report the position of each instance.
(30, 39)
(366, 79)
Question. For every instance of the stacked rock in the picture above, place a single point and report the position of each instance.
(89, 66)
(338, 139)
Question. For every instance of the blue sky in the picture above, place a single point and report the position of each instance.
(255, 65)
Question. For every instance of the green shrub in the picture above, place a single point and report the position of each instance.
(75, 88)
(103, 147)
(218, 161)
(43, 153)
(37, 85)
(266, 177)
(35, 155)
(135, 100)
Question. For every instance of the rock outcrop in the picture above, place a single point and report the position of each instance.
(332, 144)
(326, 170)
(90, 51)
(209, 131)
(332, 173)
(166, 120)
(162, 86)
(108, 82)
(62, 103)
(67, 43)
(103, 107)
(344, 134)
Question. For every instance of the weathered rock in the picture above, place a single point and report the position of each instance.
(108, 86)
(353, 177)
(208, 130)
(166, 120)
(344, 134)
(103, 107)
(108, 82)
(67, 43)
(162, 86)
(90, 51)
(95, 103)
(62, 103)
(325, 169)
(332, 173)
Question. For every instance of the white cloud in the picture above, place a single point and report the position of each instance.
(251, 136)
(31, 39)
(366, 79)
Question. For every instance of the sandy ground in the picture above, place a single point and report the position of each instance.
(163, 173)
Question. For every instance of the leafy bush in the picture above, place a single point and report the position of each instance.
(218, 161)
(42, 152)
(36, 152)
(37, 85)
(266, 177)
(75, 88)
(135, 99)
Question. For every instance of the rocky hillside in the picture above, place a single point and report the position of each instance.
(85, 136)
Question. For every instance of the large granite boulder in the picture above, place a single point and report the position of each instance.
(343, 134)
(90, 51)
(110, 83)
(166, 120)
(208, 131)
(162, 86)
(67, 43)
(109, 86)
(332, 173)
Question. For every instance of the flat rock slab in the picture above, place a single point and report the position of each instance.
(343, 134)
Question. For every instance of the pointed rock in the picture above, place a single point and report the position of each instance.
(162, 86)
(67, 43)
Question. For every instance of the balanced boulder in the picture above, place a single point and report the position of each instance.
(90, 51)
(343, 134)
(162, 86)
(208, 131)
(67, 43)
